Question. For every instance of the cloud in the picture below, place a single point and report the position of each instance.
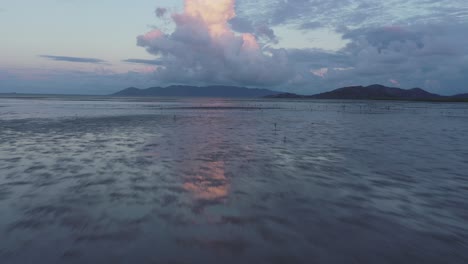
(203, 48)
(310, 25)
(73, 59)
(267, 33)
(322, 72)
(143, 61)
(212, 44)
(241, 25)
(394, 82)
(355, 14)
(383, 37)
(261, 30)
(431, 56)
(413, 42)
(160, 12)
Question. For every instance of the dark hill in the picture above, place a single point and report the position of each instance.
(461, 96)
(194, 91)
(376, 92)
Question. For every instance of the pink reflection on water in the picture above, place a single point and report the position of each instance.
(209, 184)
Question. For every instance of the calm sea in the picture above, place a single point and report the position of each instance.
(177, 180)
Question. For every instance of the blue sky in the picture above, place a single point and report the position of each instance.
(305, 46)
(104, 29)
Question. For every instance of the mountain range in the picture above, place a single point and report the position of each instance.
(376, 92)
(372, 92)
(195, 91)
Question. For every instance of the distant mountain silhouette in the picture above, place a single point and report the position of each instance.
(461, 96)
(372, 92)
(376, 92)
(194, 91)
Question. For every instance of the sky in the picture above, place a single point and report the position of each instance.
(301, 46)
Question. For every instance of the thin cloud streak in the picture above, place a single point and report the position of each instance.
(73, 59)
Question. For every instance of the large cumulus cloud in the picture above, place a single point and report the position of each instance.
(410, 43)
(204, 49)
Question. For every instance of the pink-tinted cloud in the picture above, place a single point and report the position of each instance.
(394, 82)
(152, 35)
(215, 14)
(322, 72)
(204, 49)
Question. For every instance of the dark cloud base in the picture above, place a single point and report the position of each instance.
(143, 61)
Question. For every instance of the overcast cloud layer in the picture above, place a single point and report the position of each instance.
(405, 43)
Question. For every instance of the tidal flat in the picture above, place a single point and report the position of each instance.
(180, 180)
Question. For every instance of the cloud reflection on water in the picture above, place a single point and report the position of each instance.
(210, 183)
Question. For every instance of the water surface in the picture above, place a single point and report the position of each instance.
(105, 180)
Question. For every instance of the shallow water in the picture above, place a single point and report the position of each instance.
(103, 180)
